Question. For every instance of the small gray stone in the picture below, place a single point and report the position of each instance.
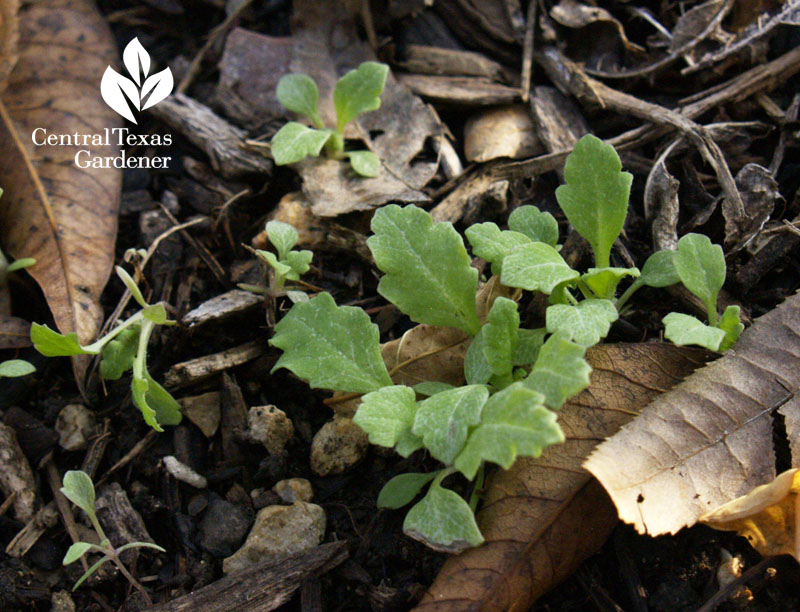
(338, 446)
(223, 527)
(262, 498)
(270, 426)
(294, 489)
(75, 425)
(279, 529)
(184, 473)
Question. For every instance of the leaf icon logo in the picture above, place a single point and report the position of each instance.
(140, 91)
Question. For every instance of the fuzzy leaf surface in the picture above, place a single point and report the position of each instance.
(402, 489)
(332, 347)
(730, 322)
(427, 272)
(78, 488)
(659, 270)
(442, 421)
(537, 225)
(530, 341)
(536, 267)
(603, 281)
(477, 370)
(299, 263)
(442, 520)
(586, 324)
(295, 141)
(118, 355)
(683, 329)
(283, 237)
(75, 552)
(359, 92)
(491, 243)
(501, 336)
(595, 197)
(514, 422)
(560, 371)
(14, 368)
(701, 267)
(387, 416)
(365, 163)
(299, 94)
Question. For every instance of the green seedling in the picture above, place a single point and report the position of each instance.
(357, 92)
(123, 348)
(79, 489)
(517, 379)
(14, 368)
(288, 264)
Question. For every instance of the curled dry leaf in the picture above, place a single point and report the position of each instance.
(709, 440)
(768, 516)
(63, 216)
(544, 516)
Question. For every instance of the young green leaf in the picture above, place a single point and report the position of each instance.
(280, 268)
(442, 421)
(701, 267)
(52, 344)
(131, 285)
(431, 387)
(537, 225)
(299, 263)
(365, 163)
(659, 270)
(359, 92)
(586, 324)
(477, 370)
(139, 388)
(299, 94)
(490, 243)
(536, 267)
(401, 490)
(603, 281)
(387, 415)
(595, 198)
(560, 371)
(513, 422)
(282, 235)
(731, 324)
(79, 489)
(118, 355)
(332, 347)
(155, 313)
(166, 407)
(14, 368)
(443, 521)
(501, 336)
(530, 341)
(20, 264)
(75, 552)
(89, 572)
(427, 270)
(684, 329)
(295, 141)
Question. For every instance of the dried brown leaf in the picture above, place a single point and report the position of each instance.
(709, 440)
(14, 332)
(768, 516)
(9, 35)
(544, 516)
(507, 131)
(63, 216)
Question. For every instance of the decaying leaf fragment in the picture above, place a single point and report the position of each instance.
(768, 516)
(709, 440)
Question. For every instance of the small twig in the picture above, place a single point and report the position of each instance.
(724, 594)
(130, 455)
(7, 503)
(527, 50)
(64, 507)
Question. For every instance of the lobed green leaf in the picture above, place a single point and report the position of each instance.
(530, 341)
(118, 355)
(477, 370)
(332, 347)
(427, 272)
(359, 92)
(560, 371)
(701, 268)
(595, 197)
(299, 263)
(387, 416)
(282, 236)
(443, 521)
(514, 423)
(684, 329)
(586, 324)
(401, 490)
(491, 244)
(295, 141)
(501, 336)
(732, 325)
(603, 281)
(536, 267)
(52, 344)
(537, 225)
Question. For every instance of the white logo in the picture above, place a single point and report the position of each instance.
(120, 92)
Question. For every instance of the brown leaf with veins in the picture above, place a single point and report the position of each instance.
(63, 216)
(768, 516)
(544, 516)
(709, 440)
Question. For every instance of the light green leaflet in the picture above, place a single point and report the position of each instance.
(79, 489)
(490, 243)
(595, 198)
(443, 521)
(299, 262)
(427, 272)
(477, 370)
(530, 341)
(333, 347)
(513, 422)
(684, 329)
(401, 490)
(295, 141)
(52, 344)
(298, 93)
(659, 270)
(560, 371)
(118, 355)
(432, 387)
(537, 225)
(701, 267)
(442, 421)
(387, 415)
(14, 368)
(282, 235)
(536, 267)
(75, 552)
(500, 334)
(359, 92)
(603, 281)
(365, 163)
(731, 325)
(586, 324)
